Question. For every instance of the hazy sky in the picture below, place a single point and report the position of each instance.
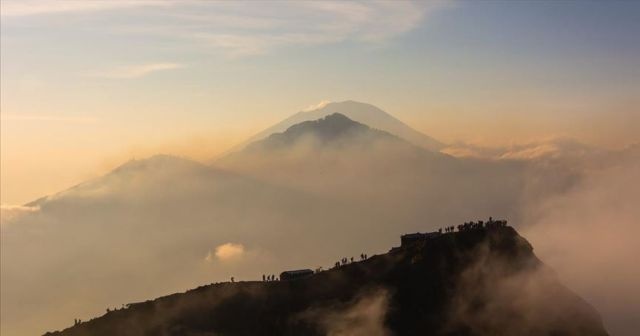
(86, 84)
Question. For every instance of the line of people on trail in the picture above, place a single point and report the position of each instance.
(491, 224)
(447, 229)
(345, 260)
(271, 277)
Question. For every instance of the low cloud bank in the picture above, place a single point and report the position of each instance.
(364, 317)
(555, 147)
(590, 236)
(9, 213)
(493, 295)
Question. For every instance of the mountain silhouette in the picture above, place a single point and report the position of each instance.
(331, 129)
(135, 174)
(482, 281)
(360, 112)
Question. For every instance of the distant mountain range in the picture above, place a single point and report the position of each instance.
(361, 112)
(475, 282)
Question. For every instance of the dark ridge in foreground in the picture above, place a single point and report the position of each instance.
(480, 281)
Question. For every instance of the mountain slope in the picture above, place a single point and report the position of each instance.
(338, 158)
(474, 282)
(360, 112)
(150, 227)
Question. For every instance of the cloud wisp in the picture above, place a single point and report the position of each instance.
(17, 117)
(317, 106)
(226, 252)
(325, 23)
(21, 8)
(241, 29)
(135, 71)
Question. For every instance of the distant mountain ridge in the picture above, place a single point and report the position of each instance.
(361, 112)
(476, 282)
(331, 128)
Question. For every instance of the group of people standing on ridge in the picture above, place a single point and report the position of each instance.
(491, 224)
(345, 260)
(269, 277)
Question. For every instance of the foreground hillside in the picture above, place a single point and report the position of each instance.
(475, 282)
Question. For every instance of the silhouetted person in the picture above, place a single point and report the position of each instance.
(351, 259)
(232, 279)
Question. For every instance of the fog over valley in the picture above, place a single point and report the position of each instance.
(305, 196)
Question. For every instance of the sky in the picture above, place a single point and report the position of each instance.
(86, 85)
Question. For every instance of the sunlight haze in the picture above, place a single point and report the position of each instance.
(86, 85)
(417, 167)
